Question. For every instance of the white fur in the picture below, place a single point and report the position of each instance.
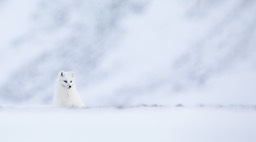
(65, 96)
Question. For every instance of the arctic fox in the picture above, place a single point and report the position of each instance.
(66, 94)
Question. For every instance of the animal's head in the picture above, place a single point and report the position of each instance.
(67, 79)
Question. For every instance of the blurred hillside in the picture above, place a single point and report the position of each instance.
(130, 51)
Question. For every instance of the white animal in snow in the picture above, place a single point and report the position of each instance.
(66, 94)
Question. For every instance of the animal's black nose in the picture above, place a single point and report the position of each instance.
(69, 87)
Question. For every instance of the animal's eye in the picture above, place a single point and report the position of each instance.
(70, 81)
(65, 81)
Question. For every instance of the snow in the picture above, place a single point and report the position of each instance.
(190, 52)
(14, 24)
(149, 124)
(130, 52)
(148, 70)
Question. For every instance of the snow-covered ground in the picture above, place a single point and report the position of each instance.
(129, 52)
(187, 67)
(139, 124)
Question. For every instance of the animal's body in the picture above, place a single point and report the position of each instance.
(66, 94)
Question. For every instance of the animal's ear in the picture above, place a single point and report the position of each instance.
(61, 74)
(73, 74)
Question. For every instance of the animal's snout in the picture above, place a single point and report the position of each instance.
(69, 86)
